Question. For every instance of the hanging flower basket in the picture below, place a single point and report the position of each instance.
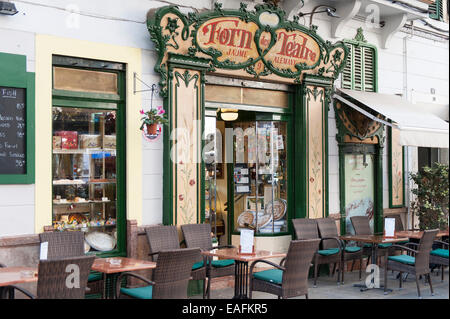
(152, 118)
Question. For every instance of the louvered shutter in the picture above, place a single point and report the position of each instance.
(358, 69)
(347, 74)
(436, 10)
(369, 69)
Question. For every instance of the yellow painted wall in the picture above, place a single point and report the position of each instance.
(46, 46)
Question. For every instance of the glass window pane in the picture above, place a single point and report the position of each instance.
(84, 170)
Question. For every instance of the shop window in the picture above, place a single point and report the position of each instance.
(360, 72)
(436, 10)
(88, 156)
(427, 156)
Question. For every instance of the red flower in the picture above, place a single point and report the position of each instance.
(192, 182)
(319, 191)
(181, 163)
(181, 198)
(311, 180)
(318, 163)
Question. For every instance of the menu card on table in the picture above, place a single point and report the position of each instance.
(246, 242)
(389, 227)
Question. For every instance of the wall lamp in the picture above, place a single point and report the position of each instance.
(8, 8)
(330, 11)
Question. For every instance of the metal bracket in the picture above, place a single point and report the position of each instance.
(153, 88)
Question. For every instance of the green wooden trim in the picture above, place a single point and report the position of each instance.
(377, 152)
(92, 104)
(13, 74)
(390, 172)
(86, 95)
(300, 153)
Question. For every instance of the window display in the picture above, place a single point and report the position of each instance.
(85, 171)
(260, 177)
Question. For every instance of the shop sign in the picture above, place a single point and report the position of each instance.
(260, 43)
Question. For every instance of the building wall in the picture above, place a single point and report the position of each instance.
(416, 64)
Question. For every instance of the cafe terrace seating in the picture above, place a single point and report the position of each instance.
(418, 263)
(166, 238)
(71, 244)
(53, 278)
(328, 229)
(170, 277)
(289, 278)
(199, 236)
(439, 256)
(361, 226)
(308, 229)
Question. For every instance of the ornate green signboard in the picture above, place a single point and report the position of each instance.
(260, 43)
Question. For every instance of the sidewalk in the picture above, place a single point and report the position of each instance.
(327, 288)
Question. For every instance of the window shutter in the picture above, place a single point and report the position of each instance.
(360, 74)
(358, 69)
(347, 74)
(436, 10)
(369, 69)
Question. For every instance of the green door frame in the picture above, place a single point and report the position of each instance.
(377, 152)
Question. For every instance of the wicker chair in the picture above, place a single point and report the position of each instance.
(166, 238)
(418, 264)
(361, 226)
(439, 256)
(199, 236)
(6, 292)
(327, 228)
(53, 276)
(71, 244)
(170, 277)
(290, 278)
(308, 229)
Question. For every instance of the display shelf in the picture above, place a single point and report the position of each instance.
(87, 151)
(84, 203)
(76, 182)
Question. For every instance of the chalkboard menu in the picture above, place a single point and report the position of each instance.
(12, 131)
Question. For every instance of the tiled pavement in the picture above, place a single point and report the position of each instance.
(327, 288)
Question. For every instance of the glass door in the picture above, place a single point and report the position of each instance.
(260, 176)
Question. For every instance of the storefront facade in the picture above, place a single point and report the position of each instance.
(279, 75)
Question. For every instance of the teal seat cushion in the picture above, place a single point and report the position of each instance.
(140, 292)
(197, 265)
(404, 259)
(403, 242)
(215, 263)
(272, 275)
(222, 263)
(352, 249)
(440, 253)
(328, 252)
(95, 276)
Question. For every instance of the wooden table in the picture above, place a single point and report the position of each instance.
(13, 275)
(417, 234)
(241, 266)
(374, 240)
(112, 271)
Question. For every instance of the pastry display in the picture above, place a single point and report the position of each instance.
(279, 208)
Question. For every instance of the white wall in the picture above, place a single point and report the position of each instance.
(123, 23)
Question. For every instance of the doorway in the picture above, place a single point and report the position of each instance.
(247, 171)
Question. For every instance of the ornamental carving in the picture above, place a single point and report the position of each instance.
(259, 44)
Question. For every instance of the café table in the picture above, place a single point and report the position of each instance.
(241, 265)
(16, 275)
(374, 240)
(113, 267)
(417, 234)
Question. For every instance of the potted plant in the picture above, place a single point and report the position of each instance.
(152, 118)
(431, 203)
